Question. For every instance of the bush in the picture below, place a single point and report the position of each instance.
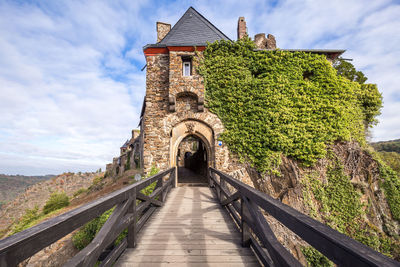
(371, 103)
(29, 216)
(86, 234)
(148, 190)
(80, 191)
(315, 258)
(55, 202)
(392, 159)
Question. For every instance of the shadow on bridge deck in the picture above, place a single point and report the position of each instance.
(190, 230)
(190, 178)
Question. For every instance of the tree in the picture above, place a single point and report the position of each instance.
(346, 69)
(369, 96)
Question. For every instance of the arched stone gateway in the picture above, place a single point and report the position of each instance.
(202, 132)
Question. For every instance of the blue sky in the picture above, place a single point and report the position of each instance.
(71, 86)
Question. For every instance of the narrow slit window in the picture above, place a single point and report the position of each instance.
(187, 66)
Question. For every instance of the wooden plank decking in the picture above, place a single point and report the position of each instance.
(190, 230)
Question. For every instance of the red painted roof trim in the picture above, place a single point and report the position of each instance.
(186, 48)
(152, 51)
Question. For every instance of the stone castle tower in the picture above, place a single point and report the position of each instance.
(173, 109)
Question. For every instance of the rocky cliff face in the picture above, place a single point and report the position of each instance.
(343, 191)
(38, 194)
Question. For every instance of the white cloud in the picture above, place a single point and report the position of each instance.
(71, 88)
(67, 97)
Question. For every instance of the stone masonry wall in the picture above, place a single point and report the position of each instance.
(184, 84)
(186, 103)
(156, 136)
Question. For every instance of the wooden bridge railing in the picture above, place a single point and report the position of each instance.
(244, 206)
(132, 209)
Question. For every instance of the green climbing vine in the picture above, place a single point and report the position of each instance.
(391, 184)
(337, 203)
(274, 102)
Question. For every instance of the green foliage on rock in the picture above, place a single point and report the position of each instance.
(274, 102)
(391, 185)
(97, 183)
(29, 216)
(34, 216)
(315, 258)
(339, 206)
(390, 173)
(56, 201)
(80, 191)
(392, 159)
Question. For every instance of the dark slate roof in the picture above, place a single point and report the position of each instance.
(318, 51)
(192, 29)
(125, 145)
(330, 53)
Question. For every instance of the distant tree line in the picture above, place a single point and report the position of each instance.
(387, 146)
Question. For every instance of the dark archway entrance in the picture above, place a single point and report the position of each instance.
(192, 161)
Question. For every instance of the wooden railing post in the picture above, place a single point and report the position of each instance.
(218, 188)
(163, 190)
(132, 227)
(223, 186)
(173, 175)
(212, 178)
(245, 229)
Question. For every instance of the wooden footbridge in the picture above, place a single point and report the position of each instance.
(189, 226)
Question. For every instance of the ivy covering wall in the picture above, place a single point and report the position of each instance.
(274, 102)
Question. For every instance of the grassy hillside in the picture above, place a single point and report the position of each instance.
(389, 151)
(12, 185)
(77, 189)
(387, 146)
